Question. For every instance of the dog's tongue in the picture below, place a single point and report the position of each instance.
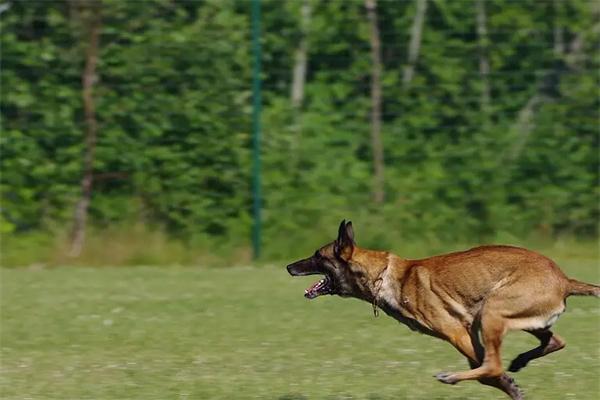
(313, 291)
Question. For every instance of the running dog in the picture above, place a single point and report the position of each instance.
(487, 290)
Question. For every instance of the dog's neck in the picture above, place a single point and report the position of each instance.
(373, 264)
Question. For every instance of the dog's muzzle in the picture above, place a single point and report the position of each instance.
(310, 267)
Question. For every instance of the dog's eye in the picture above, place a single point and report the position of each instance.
(317, 255)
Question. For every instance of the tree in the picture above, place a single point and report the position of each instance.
(301, 58)
(89, 15)
(376, 142)
(299, 76)
(416, 34)
(484, 65)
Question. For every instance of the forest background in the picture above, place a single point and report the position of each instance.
(127, 127)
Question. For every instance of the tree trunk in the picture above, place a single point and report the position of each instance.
(91, 24)
(484, 65)
(376, 142)
(301, 58)
(558, 31)
(299, 81)
(524, 124)
(416, 34)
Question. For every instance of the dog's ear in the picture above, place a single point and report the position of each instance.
(349, 232)
(341, 229)
(344, 244)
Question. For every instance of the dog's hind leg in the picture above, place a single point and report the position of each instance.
(549, 342)
(468, 344)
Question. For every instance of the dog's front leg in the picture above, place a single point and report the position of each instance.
(493, 329)
(467, 343)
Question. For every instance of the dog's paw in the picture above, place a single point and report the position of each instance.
(514, 391)
(446, 377)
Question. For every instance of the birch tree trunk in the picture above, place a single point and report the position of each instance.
(416, 34)
(90, 20)
(558, 33)
(376, 142)
(299, 80)
(301, 58)
(484, 65)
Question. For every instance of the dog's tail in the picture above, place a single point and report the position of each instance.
(578, 288)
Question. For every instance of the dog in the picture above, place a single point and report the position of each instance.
(456, 297)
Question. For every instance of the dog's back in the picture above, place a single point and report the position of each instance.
(482, 271)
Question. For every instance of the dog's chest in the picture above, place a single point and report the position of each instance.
(397, 305)
(390, 291)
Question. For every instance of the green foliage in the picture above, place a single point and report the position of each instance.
(173, 106)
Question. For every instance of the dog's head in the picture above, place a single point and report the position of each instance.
(333, 262)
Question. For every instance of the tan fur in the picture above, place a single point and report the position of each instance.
(488, 290)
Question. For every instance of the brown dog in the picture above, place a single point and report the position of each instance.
(488, 289)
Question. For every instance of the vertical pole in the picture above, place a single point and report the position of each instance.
(256, 111)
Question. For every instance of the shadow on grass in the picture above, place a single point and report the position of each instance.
(292, 396)
(297, 396)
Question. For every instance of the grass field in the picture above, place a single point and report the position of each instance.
(240, 333)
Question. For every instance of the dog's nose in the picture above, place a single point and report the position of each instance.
(292, 269)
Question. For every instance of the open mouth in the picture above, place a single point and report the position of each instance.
(307, 267)
(321, 287)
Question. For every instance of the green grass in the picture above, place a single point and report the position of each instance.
(242, 333)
